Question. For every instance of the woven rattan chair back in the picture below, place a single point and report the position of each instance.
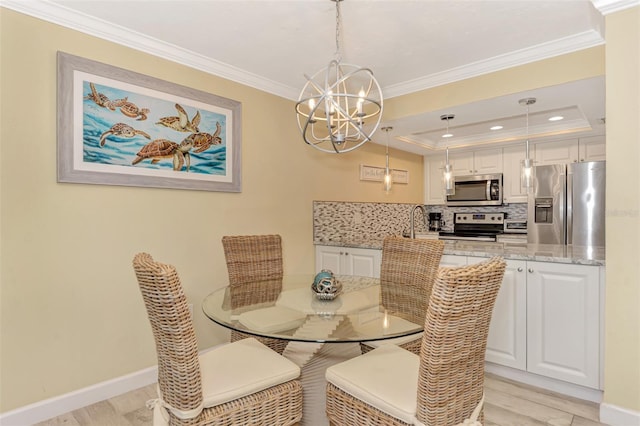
(407, 273)
(176, 346)
(255, 267)
(451, 379)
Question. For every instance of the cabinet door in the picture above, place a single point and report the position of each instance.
(513, 191)
(563, 315)
(487, 161)
(592, 148)
(507, 340)
(433, 190)
(556, 152)
(329, 257)
(462, 163)
(362, 262)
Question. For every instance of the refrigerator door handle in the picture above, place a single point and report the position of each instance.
(569, 204)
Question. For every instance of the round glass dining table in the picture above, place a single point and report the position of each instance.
(289, 309)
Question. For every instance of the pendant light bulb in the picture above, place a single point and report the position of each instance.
(526, 172)
(387, 181)
(448, 180)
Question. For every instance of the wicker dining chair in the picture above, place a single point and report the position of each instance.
(408, 270)
(233, 384)
(442, 386)
(254, 265)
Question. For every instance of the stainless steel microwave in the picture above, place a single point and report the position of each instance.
(477, 190)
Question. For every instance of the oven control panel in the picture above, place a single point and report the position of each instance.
(479, 218)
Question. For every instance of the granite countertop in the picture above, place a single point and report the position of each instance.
(554, 253)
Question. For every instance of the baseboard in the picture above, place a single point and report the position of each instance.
(558, 386)
(618, 416)
(53, 407)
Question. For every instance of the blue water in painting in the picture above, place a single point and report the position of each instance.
(119, 150)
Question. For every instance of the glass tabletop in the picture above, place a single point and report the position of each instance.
(288, 309)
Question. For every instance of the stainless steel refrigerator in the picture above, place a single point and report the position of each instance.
(567, 204)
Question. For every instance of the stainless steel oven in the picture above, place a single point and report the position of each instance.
(477, 190)
(475, 227)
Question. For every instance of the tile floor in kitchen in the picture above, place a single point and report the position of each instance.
(507, 403)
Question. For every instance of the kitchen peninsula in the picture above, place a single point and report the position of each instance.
(547, 326)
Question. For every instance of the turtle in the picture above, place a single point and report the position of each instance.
(202, 141)
(122, 130)
(164, 148)
(131, 110)
(102, 100)
(181, 123)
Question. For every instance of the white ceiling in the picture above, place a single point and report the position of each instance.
(409, 44)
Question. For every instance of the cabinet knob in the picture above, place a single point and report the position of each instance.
(520, 269)
(530, 270)
(341, 253)
(346, 253)
(582, 159)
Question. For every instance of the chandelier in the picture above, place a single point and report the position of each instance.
(340, 106)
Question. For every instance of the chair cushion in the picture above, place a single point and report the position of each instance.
(385, 378)
(394, 325)
(241, 368)
(272, 319)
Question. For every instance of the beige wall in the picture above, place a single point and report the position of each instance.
(71, 311)
(622, 350)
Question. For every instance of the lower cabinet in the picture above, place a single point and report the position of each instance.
(546, 321)
(349, 261)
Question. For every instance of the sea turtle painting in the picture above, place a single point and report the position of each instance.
(181, 123)
(158, 149)
(132, 110)
(102, 100)
(202, 141)
(122, 130)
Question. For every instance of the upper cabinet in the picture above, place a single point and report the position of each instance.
(433, 189)
(590, 148)
(512, 191)
(478, 162)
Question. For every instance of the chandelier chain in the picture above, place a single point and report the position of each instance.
(338, 19)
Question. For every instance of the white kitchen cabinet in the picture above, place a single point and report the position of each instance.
(349, 260)
(513, 192)
(546, 320)
(433, 189)
(507, 340)
(590, 148)
(563, 322)
(482, 162)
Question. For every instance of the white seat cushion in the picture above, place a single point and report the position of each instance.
(385, 378)
(241, 368)
(272, 319)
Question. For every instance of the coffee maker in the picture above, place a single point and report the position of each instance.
(435, 221)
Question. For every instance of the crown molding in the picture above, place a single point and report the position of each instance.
(542, 51)
(74, 20)
(610, 6)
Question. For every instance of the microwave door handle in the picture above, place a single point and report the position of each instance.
(569, 234)
(488, 190)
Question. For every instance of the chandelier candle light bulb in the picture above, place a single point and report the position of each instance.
(387, 182)
(526, 175)
(447, 173)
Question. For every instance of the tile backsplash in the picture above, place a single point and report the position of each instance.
(344, 221)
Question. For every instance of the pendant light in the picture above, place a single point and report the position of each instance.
(447, 174)
(387, 182)
(340, 106)
(526, 173)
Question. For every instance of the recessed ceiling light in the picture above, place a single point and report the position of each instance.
(496, 128)
(556, 118)
(447, 135)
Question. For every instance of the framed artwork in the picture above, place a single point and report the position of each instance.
(377, 174)
(118, 127)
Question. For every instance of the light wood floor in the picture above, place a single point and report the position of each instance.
(507, 403)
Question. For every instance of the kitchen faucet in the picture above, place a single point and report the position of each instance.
(412, 232)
